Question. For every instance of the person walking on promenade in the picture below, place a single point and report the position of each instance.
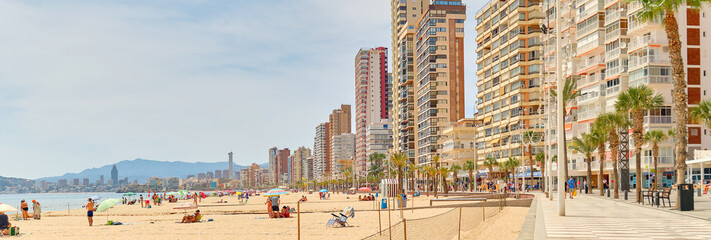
(571, 187)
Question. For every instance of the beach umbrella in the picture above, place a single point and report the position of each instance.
(275, 191)
(106, 204)
(323, 190)
(7, 208)
(365, 189)
(182, 192)
(129, 194)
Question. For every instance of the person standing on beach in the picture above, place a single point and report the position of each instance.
(195, 198)
(141, 200)
(37, 209)
(25, 208)
(275, 205)
(269, 208)
(90, 212)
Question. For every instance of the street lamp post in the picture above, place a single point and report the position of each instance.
(559, 109)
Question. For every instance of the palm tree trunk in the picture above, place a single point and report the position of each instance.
(655, 152)
(471, 181)
(589, 180)
(614, 144)
(434, 184)
(543, 176)
(445, 188)
(601, 156)
(679, 97)
(638, 121)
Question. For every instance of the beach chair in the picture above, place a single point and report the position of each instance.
(342, 217)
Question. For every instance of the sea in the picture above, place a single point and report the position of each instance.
(57, 201)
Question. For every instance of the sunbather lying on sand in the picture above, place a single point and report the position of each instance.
(191, 218)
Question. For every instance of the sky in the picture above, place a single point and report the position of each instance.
(87, 83)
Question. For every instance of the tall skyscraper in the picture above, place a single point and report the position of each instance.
(273, 170)
(439, 80)
(373, 98)
(283, 165)
(343, 149)
(299, 164)
(102, 181)
(114, 175)
(404, 16)
(508, 77)
(339, 122)
(321, 158)
(231, 167)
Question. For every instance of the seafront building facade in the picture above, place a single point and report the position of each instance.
(508, 78)
(322, 154)
(604, 50)
(379, 139)
(404, 16)
(459, 143)
(299, 164)
(373, 98)
(344, 149)
(439, 78)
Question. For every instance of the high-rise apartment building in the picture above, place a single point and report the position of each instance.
(322, 155)
(273, 166)
(299, 164)
(607, 50)
(404, 16)
(439, 82)
(339, 123)
(373, 99)
(218, 174)
(508, 77)
(283, 165)
(114, 175)
(380, 139)
(343, 149)
(230, 168)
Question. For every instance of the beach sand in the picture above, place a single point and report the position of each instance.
(230, 221)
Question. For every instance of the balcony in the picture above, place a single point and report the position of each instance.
(635, 25)
(658, 119)
(609, 55)
(634, 6)
(614, 15)
(615, 71)
(636, 62)
(591, 45)
(612, 90)
(611, 36)
(586, 81)
(590, 64)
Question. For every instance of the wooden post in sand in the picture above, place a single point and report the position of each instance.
(459, 231)
(483, 211)
(404, 224)
(380, 226)
(390, 227)
(68, 211)
(298, 219)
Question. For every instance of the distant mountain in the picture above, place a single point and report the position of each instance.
(142, 170)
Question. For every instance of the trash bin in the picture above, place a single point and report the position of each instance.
(402, 201)
(384, 203)
(686, 197)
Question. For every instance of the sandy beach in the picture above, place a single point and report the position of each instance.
(230, 220)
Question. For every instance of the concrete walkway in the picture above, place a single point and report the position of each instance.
(589, 217)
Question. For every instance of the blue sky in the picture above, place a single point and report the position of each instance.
(88, 83)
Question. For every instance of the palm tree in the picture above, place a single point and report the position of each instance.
(654, 10)
(598, 138)
(399, 161)
(530, 137)
(433, 174)
(611, 123)
(471, 166)
(702, 112)
(586, 146)
(490, 163)
(511, 164)
(444, 172)
(569, 94)
(411, 175)
(638, 100)
(541, 159)
(347, 172)
(429, 173)
(376, 163)
(455, 168)
(655, 137)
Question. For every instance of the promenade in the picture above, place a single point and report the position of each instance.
(595, 217)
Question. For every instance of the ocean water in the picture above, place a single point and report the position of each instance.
(56, 201)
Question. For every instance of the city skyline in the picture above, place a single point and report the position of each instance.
(128, 113)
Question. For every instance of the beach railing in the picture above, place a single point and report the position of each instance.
(447, 225)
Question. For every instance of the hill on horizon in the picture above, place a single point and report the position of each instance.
(143, 169)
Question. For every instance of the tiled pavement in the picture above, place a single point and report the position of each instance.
(597, 218)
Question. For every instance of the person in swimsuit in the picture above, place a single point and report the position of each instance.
(90, 212)
(37, 209)
(25, 208)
